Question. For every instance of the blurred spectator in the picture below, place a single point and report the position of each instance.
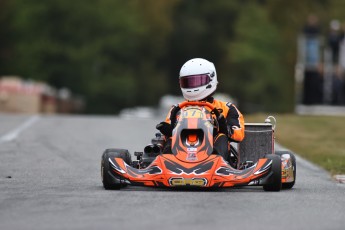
(311, 32)
(334, 40)
(312, 91)
(342, 50)
(341, 67)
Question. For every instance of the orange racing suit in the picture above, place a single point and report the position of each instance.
(233, 116)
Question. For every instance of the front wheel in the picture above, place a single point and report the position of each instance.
(289, 168)
(109, 180)
(274, 182)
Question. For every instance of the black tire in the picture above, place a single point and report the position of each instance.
(110, 182)
(293, 161)
(274, 183)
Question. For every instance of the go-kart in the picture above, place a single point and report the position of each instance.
(192, 162)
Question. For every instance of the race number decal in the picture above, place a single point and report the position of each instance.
(187, 181)
(192, 113)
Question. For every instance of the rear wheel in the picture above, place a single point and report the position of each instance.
(274, 183)
(289, 185)
(111, 182)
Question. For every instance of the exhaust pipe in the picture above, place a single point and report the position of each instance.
(153, 149)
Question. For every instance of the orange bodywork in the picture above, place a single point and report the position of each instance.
(167, 171)
(192, 161)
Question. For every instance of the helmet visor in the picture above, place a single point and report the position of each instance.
(194, 81)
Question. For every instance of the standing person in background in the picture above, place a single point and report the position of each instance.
(341, 66)
(334, 38)
(313, 86)
(334, 41)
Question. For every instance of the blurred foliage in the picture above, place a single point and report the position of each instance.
(255, 57)
(125, 53)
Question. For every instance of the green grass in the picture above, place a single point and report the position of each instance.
(320, 139)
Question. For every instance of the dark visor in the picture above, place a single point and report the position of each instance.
(194, 81)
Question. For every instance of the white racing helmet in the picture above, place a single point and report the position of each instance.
(198, 79)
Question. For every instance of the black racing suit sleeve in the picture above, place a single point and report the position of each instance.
(235, 123)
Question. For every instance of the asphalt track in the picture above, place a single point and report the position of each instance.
(50, 179)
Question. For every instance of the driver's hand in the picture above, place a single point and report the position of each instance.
(165, 128)
(223, 127)
(173, 114)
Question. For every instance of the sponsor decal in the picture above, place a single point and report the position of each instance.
(174, 181)
(254, 182)
(286, 160)
(287, 168)
(227, 171)
(191, 154)
(152, 170)
(116, 166)
(263, 168)
(287, 174)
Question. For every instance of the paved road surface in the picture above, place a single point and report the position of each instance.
(50, 179)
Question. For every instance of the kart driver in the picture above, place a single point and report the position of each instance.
(198, 82)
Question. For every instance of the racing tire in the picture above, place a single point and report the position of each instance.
(289, 185)
(274, 183)
(109, 181)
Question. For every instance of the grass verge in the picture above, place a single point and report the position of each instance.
(319, 139)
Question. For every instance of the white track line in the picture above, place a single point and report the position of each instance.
(12, 135)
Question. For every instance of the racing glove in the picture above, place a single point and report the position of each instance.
(173, 114)
(222, 125)
(165, 128)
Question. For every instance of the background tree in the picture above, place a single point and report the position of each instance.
(126, 53)
(5, 37)
(254, 59)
